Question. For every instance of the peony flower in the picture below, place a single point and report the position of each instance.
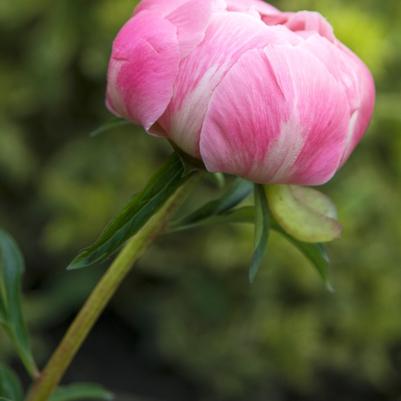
(269, 96)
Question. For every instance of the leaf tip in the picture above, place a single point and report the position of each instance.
(330, 288)
(76, 264)
(252, 276)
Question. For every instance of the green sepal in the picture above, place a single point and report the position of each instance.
(315, 253)
(262, 228)
(232, 197)
(304, 213)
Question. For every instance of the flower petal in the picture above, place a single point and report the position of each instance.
(367, 94)
(161, 7)
(344, 65)
(278, 116)
(357, 81)
(228, 36)
(259, 6)
(303, 23)
(191, 17)
(143, 68)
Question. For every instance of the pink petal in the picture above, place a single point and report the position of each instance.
(260, 6)
(366, 91)
(228, 36)
(161, 7)
(278, 116)
(346, 67)
(357, 81)
(143, 68)
(303, 23)
(191, 18)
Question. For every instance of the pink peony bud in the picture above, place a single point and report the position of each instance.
(273, 97)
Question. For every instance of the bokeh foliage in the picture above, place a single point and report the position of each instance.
(283, 337)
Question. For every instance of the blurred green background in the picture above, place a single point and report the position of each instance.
(186, 325)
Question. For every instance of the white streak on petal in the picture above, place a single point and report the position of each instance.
(350, 133)
(285, 149)
(114, 101)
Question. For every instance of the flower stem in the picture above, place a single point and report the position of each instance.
(97, 301)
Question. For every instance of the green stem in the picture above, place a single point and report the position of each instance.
(97, 301)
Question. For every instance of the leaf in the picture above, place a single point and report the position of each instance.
(10, 386)
(262, 228)
(234, 195)
(304, 213)
(3, 315)
(117, 122)
(219, 179)
(240, 215)
(11, 270)
(81, 391)
(315, 253)
(136, 214)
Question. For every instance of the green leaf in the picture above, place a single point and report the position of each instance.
(219, 179)
(315, 253)
(81, 391)
(117, 122)
(240, 215)
(10, 386)
(304, 213)
(233, 196)
(11, 270)
(135, 215)
(3, 315)
(262, 228)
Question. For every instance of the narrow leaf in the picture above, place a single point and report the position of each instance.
(3, 315)
(219, 179)
(117, 122)
(234, 195)
(82, 391)
(135, 215)
(315, 253)
(11, 270)
(262, 227)
(10, 386)
(244, 214)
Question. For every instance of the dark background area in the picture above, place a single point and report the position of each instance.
(186, 325)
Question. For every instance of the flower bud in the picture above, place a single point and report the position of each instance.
(269, 96)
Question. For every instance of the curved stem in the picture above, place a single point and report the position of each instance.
(97, 301)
